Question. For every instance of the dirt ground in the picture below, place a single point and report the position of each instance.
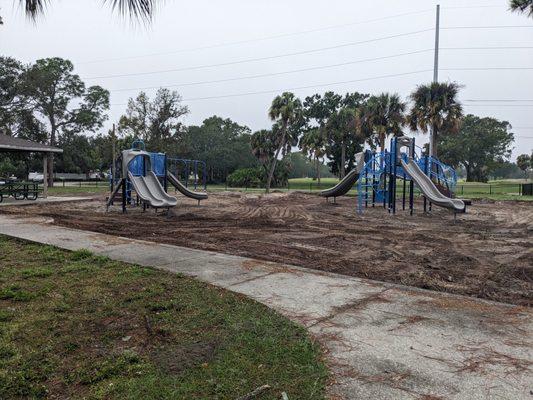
(486, 253)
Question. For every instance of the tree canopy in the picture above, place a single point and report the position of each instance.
(524, 162)
(222, 144)
(436, 107)
(158, 122)
(522, 6)
(480, 146)
(381, 116)
(287, 111)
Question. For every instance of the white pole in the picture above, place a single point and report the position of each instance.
(435, 71)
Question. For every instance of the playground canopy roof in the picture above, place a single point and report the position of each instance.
(13, 144)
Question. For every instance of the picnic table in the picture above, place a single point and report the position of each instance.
(19, 190)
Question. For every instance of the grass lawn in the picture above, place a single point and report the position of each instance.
(74, 325)
(496, 190)
(76, 190)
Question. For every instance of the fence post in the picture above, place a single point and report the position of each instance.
(310, 187)
(462, 190)
(490, 188)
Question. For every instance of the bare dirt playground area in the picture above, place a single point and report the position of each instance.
(487, 253)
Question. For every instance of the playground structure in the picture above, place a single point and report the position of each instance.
(148, 176)
(377, 175)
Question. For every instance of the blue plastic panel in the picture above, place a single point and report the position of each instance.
(136, 166)
(158, 163)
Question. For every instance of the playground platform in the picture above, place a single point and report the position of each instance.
(382, 341)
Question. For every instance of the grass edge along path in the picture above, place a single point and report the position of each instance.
(75, 325)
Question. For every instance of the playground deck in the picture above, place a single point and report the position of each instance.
(486, 253)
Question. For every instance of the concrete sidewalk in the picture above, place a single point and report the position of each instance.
(383, 341)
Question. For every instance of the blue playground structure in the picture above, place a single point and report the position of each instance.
(150, 168)
(378, 179)
(377, 175)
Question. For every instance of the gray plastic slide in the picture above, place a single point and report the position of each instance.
(150, 191)
(429, 190)
(184, 190)
(344, 186)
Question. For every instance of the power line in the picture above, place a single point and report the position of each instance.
(185, 84)
(275, 73)
(500, 100)
(488, 69)
(249, 60)
(489, 48)
(300, 87)
(487, 27)
(467, 7)
(311, 68)
(499, 105)
(265, 38)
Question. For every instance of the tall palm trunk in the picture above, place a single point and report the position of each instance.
(342, 170)
(317, 165)
(275, 160)
(468, 172)
(433, 141)
(382, 141)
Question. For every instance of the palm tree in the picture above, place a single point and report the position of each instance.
(142, 9)
(287, 111)
(264, 146)
(436, 107)
(313, 143)
(522, 6)
(382, 115)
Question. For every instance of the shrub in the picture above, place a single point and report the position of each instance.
(246, 177)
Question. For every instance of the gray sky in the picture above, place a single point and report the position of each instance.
(101, 43)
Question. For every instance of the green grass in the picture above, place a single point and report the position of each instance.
(59, 190)
(74, 325)
(494, 190)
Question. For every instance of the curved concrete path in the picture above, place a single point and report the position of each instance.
(382, 341)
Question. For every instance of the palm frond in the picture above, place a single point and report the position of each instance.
(138, 9)
(523, 6)
(34, 8)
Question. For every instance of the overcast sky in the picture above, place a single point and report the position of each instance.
(197, 33)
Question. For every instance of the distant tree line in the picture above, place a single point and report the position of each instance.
(47, 102)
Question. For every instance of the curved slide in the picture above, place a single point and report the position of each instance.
(429, 190)
(344, 186)
(151, 192)
(184, 190)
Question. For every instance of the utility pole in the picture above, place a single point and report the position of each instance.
(435, 72)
